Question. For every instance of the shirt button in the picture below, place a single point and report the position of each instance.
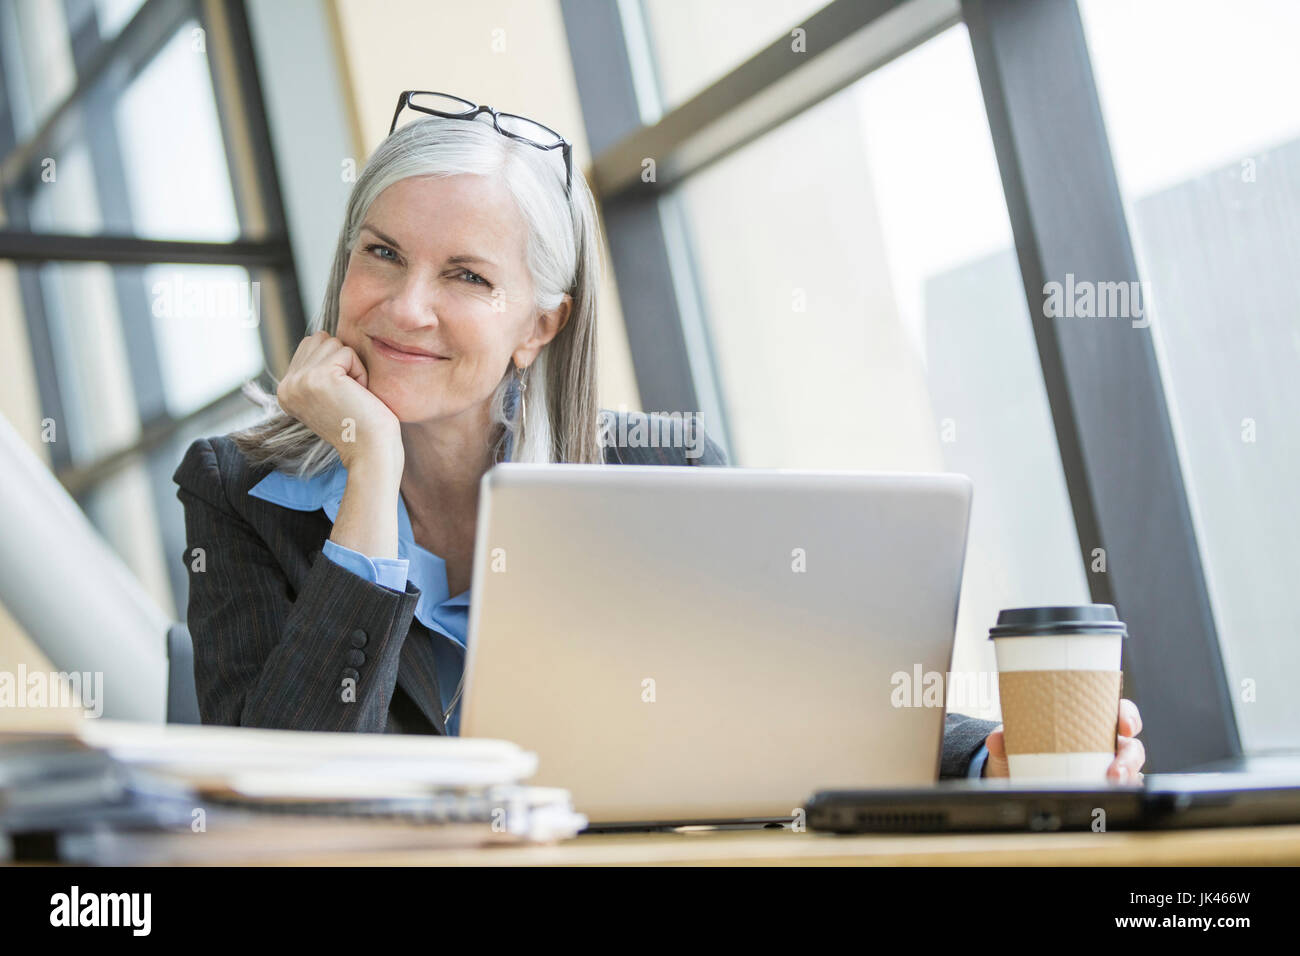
(350, 674)
(358, 638)
(356, 658)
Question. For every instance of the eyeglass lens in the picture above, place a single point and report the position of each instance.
(441, 102)
(520, 126)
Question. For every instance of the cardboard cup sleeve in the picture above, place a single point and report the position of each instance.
(1060, 711)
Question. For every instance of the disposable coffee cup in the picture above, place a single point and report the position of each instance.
(1059, 682)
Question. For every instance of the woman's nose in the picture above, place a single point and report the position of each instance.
(415, 302)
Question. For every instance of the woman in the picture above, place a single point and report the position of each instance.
(336, 538)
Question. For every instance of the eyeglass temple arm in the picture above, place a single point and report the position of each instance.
(401, 102)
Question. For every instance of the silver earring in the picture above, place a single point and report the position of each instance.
(523, 405)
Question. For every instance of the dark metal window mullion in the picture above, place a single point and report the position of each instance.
(639, 250)
(1103, 382)
(267, 186)
(22, 246)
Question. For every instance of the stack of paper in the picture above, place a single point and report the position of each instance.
(117, 792)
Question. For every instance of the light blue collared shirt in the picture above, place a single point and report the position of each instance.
(978, 761)
(447, 616)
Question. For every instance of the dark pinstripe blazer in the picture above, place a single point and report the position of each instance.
(277, 627)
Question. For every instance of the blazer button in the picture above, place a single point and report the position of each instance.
(350, 674)
(358, 638)
(356, 658)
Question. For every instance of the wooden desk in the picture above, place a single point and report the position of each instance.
(1252, 846)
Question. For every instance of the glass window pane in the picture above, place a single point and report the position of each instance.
(205, 321)
(69, 201)
(869, 314)
(695, 44)
(204, 324)
(173, 153)
(1200, 104)
(171, 180)
(91, 360)
(39, 71)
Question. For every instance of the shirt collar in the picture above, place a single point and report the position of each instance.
(325, 492)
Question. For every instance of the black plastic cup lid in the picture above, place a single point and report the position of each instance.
(1074, 619)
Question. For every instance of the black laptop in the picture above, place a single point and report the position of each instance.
(1162, 801)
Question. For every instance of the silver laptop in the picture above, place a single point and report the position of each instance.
(705, 645)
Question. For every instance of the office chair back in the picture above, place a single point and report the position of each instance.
(182, 696)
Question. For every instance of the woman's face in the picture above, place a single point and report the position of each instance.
(438, 298)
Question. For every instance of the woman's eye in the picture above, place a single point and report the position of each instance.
(376, 246)
(472, 277)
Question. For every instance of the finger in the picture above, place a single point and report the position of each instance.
(996, 765)
(1130, 721)
(307, 349)
(351, 363)
(326, 344)
(997, 742)
(325, 353)
(314, 341)
(300, 353)
(1130, 755)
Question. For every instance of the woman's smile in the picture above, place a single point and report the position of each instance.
(398, 353)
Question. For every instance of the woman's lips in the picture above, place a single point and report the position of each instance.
(388, 350)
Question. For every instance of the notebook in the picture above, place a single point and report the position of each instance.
(112, 792)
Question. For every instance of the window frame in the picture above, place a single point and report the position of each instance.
(1124, 477)
(103, 68)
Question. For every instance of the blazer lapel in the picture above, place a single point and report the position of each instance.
(417, 670)
(417, 674)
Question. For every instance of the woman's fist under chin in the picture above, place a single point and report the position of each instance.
(325, 388)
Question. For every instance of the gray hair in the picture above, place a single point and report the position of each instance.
(563, 257)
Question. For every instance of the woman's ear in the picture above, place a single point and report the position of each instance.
(546, 326)
(556, 319)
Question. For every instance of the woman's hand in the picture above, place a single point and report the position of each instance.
(1130, 755)
(325, 388)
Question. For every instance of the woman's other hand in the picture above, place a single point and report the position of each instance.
(1130, 755)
